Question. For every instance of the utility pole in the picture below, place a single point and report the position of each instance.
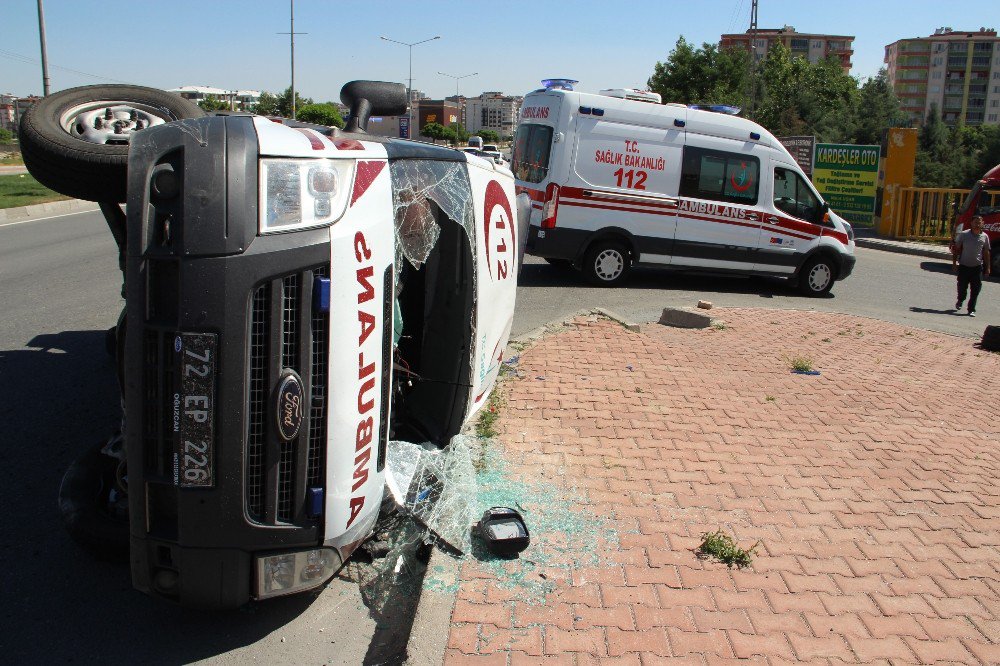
(291, 33)
(753, 57)
(409, 89)
(45, 54)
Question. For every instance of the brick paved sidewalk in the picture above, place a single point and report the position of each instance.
(872, 489)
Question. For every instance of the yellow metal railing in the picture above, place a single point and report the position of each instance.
(925, 212)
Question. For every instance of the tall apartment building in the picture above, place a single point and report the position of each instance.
(811, 46)
(956, 71)
(493, 111)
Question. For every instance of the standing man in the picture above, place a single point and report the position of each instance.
(972, 253)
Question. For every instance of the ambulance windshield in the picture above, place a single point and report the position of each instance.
(532, 146)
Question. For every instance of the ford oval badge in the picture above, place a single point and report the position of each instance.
(288, 408)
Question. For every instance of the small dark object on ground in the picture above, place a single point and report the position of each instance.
(723, 547)
(991, 339)
(503, 530)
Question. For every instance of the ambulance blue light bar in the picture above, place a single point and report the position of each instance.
(559, 84)
(717, 108)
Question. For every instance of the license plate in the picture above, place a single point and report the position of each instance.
(193, 460)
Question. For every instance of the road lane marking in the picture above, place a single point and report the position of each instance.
(50, 217)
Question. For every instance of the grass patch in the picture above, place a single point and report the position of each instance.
(23, 190)
(769, 398)
(724, 548)
(719, 325)
(801, 363)
(14, 160)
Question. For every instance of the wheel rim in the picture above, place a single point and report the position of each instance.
(110, 122)
(819, 277)
(609, 264)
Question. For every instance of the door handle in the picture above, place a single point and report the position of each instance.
(771, 219)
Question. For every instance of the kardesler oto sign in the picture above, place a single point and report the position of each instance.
(846, 176)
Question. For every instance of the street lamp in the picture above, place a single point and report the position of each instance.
(409, 89)
(457, 78)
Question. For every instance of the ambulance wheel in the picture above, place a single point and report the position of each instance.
(76, 141)
(94, 506)
(607, 263)
(817, 276)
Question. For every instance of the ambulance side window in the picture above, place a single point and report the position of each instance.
(717, 175)
(793, 196)
(532, 146)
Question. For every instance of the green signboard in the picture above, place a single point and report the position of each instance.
(846, 176)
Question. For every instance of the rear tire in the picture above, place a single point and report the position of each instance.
(817, 276)
(76, 166)
(607, 263)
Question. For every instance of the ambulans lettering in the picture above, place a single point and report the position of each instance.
(366, 375)
(535, 112)
(706, 208)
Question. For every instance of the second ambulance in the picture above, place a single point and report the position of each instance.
(617, 180)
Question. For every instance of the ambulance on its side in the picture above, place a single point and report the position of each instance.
(617, 180)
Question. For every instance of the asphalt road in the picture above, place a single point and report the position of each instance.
(59, 292)
(909, 290)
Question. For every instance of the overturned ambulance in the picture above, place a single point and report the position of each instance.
(296, 296)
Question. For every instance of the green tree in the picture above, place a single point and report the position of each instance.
(6, 136)
(489, 136)
(267, 105)
(705, 75)
(212, 103)
(988, 155)
(461, 135)
(321, 114)
(434, 131)
(799, 97)
(877, 110)
(284, 104)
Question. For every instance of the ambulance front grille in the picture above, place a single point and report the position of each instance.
(286, 333)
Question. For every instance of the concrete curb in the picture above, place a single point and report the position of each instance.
(918, 249)
(432, 621)
(65, 207)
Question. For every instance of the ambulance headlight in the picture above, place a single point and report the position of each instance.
(302, 194)
(289, 573)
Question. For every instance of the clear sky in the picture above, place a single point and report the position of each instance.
(510, 44)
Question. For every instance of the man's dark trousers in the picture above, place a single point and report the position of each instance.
(970, 276)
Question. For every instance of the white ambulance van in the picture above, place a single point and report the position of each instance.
(617, 180)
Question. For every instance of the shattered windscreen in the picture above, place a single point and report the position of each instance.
(416, 183)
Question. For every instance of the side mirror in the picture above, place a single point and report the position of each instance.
(367, 98)
(824, 214)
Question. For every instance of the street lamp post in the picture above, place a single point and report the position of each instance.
(463, 76)
(291, 33)
(45, 54)
(409, 89)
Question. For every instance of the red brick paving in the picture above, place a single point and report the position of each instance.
(872, 489)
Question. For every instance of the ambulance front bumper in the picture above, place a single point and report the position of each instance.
(847, 266)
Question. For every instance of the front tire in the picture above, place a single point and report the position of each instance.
(607, 263)
(76, 141)
(817, 276)
(94, 507)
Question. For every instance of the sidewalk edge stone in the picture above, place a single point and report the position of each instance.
(903, 248)
(432, 621)
(50, 208)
